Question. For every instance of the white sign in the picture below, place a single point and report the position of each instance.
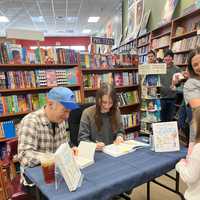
(155, 68)
(24, 34)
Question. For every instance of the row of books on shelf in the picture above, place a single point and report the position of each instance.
(26, 102)
(161, 42)
(181, 58)
(143, 40)
(16, 54)
(104, 61)
(128, 98)
(38, 78)
(118, 79)
(186, 44)
(142, 59)
(143, 50)
(130, 120)
(131, 136)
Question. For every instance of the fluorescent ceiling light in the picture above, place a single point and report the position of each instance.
(37, 19)
(86, 31)
(4, 19)
(93, 19)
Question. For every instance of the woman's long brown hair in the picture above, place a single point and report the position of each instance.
(196, 121)
(106, 89)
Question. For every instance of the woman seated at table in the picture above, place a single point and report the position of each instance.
(101, 123)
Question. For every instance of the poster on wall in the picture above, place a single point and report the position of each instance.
(135, 15)
(168, 11)
(145, 19)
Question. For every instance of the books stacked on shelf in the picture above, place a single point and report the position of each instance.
(143, 59)
(95, 80)
(181, 58)
(54, 77)
(7, 129)
(186, 44)
(143, 40)
(128, 98)
(2, 80)
(77, 94)
(130, 120)
(150, 95)
(22, 103)
(90, 99)
(143, 50)
(125, 78)
(16, 54)
(161, 42)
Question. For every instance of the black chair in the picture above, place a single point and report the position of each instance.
(74, 122)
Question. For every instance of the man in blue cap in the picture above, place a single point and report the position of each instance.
(44, 130)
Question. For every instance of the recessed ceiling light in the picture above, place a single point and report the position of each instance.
(37, 19)
(86, 31)
(93, 19)
(4, 19)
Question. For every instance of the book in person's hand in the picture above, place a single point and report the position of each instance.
(128, 146)
(86, 151)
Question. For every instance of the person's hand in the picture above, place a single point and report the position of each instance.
(99, 146)
(75, 151)
(119, 140)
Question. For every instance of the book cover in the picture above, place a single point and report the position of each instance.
(51, 78)
(165, 136)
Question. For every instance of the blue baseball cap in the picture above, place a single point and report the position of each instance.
(64, 96)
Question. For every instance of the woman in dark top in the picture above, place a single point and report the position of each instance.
(101, 123)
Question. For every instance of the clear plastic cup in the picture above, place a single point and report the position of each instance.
(48, 167)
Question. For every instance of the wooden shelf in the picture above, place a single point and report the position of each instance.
(162, 47)
(117, 87)
(13, 115)
(35, 66)
(183, 51)
(143, 35)
(181, 65)
(6, 139)
(183, 36)
(162, 26)
(161, 35)
(109, 69)
(143, 45)
(129, 105)
(133, 128)
(33, 89)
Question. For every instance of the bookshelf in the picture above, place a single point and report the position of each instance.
(160, 39)
(185, 36)
(143, 46)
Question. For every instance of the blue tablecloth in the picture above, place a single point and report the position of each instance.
(110, 176)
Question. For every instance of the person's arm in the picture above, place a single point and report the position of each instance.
(28, 144)
(120, 131)
(189, 168)
(84, 128)
(191, 92)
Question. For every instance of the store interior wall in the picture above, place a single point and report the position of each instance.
(156, 7)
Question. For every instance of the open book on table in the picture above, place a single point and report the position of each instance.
(128, 146)
(86, 154)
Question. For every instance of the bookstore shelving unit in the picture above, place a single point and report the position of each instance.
(13, 75)
(160, 39)
(185, 36)
(143, 46)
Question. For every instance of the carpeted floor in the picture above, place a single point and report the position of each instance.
(157, 192)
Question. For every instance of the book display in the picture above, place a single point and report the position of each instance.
(150, 95)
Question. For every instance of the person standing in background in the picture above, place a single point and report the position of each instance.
(168, 95)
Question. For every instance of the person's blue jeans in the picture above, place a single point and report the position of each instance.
(167, 109)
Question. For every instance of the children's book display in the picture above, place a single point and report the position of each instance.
(165, 137)
(150, 94)
(128, 146)
(65, 162)
(86, 152)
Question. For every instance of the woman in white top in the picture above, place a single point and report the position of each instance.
(189, 168)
